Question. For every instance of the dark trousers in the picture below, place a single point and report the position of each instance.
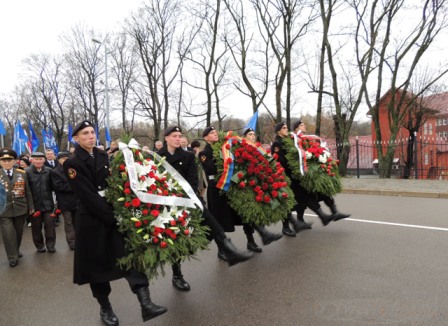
(50, 233)
(216, 230)
(69, 219)
(12, 230)
(136, 280)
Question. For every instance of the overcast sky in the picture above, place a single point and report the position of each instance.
(33, 26)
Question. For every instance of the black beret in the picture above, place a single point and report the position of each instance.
(247, 130)
(80, 126)
(26, 160)
(63, 154)
(279, 126)
(297, 124)
(207, 131)
(8, 154)
(171, 129)
(195, 143)
(38, 154)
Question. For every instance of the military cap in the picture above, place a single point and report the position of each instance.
(207, 131)
(169, 130)
(279, 126)
(80, 126)
(247, 130)
(38, 154)
(63, 154)
(8, 154)
(297, 124)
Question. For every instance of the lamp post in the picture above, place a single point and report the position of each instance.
(106, 86)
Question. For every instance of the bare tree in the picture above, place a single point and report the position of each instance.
(255, 71)
(285, 22)
(396, 59)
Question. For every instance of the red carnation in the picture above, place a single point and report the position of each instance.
(274, 193)
(229, 160)
(122, 167)
(155, 240)
(146, 222)
(258, 198)
(138, 224)
(186, 232)
(227, 146)
(242, 185)
(145, 212)
(127, 184)
(155, 212)
(173, 223)
(275, 155)
(142, 178)
(127, 191)
(284, 195)
(240, 175)
(264, 186)
(252, 182)
(127, 204)
(136, 202)
(267, 199)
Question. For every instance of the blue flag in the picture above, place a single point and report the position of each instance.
(97, 136)
(49, 140)
(33, 141)
(20, 139)
(252, 122)
(2, 129)
(108, 139)
(70, 134)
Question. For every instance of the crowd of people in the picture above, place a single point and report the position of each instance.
(39, 188)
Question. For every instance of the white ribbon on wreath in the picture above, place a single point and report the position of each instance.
(191, 202)
(296, 144)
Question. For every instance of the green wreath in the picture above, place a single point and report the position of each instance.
(259, 190)
(155, 234)
(320, 176)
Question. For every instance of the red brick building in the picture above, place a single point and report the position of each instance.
(432, 145)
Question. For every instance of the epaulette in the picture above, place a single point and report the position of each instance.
(20, 170)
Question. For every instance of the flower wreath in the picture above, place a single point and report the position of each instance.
(312, 165)
(255, 184)
(155, 208)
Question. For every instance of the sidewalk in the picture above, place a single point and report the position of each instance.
(396, 187)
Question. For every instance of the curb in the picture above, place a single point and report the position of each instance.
(397, 193)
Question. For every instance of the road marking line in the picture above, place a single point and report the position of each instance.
(394, 224)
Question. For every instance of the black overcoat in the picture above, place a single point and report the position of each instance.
(98, 242)
(217, 204)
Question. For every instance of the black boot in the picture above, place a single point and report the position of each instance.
(107, 314)
(323, 217)
(234, 256)
(222, 254)
(286, 229)
(299, 224)
(251, 244)
(178, 279)
(336, 215)
(149, 309)
(266, 236)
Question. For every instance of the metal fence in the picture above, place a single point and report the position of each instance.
(430, 157)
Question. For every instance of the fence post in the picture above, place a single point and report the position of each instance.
(415, 156)
(357, 157)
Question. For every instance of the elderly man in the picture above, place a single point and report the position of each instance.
(40, 183)
(19, 204)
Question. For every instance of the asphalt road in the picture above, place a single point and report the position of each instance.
(385, 266)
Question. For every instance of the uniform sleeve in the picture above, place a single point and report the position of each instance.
(87, 194)
(208, 163)
(58, 183)
(192, 173)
